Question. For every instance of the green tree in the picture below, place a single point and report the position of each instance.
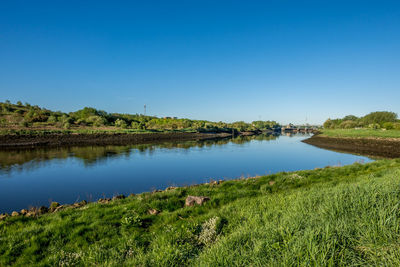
(379, 117)
(328, 124)
(350, 118)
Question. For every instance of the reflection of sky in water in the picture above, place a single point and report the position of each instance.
(66, 174)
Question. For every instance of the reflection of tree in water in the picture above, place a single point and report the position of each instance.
(29, 159)
(241, 139)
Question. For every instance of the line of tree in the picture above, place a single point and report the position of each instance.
(374, 120)
(26, 115)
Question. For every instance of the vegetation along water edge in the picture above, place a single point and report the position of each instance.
(331, 216)
(375, 134)
(25, 125)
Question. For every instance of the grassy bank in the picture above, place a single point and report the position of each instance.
(360, 133)
(348, 215)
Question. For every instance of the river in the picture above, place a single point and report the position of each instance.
(39, 176)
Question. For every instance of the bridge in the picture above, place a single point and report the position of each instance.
(294, 129)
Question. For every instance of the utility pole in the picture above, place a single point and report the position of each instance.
(145, 109)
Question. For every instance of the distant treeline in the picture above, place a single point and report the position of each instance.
(374, 120)
(26, 115)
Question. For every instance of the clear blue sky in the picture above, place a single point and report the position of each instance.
(215, 60)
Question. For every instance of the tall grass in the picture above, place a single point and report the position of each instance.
(331, 216)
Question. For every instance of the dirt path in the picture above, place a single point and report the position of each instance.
(387, 148)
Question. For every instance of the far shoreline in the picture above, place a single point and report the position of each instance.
(23, 141)
(365, 146)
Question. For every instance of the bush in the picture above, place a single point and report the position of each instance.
(374, 126)
(348, 124)
(67, 125)
(121, 123)
(135, 125)
(96, 121)
(65, 119)
(24, 124)
(52, 119)
(396, 125)
(388, 126)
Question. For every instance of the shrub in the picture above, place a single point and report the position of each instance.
(4, 108)
(52, 119)
(348, 124)
(121, 123)
(388, 125)
(209, 234)
(19, 111)
(24, 124)
(67, 125)
(374, 126)
(65, 119)
(135, 125)
(96, 121)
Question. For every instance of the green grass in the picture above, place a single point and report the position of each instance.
(360, 133)
(331, 216)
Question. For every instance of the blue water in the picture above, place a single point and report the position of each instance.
(66, 175)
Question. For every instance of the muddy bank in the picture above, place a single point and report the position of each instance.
(54, 140)
(387, 148)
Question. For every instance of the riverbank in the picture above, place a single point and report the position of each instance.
(338, 216)
(367, 145)
(13, 141)
(361, 133)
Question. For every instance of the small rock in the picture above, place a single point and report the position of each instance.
(59, 208)
(271, 182)
(30, 214)
(79, 204)
(170, 188)
(153, 211)
(3, 216)
(104, 200)
(23, 212)
(14, 213)
(118, 197)
(53, 206)
(192, 200)
(43, 210)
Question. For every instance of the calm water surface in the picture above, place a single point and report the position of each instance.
(37, 177)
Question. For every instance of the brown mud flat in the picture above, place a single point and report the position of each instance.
(55, 140)
(374, 147)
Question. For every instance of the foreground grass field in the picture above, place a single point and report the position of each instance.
(332, 216)
(361, 133)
